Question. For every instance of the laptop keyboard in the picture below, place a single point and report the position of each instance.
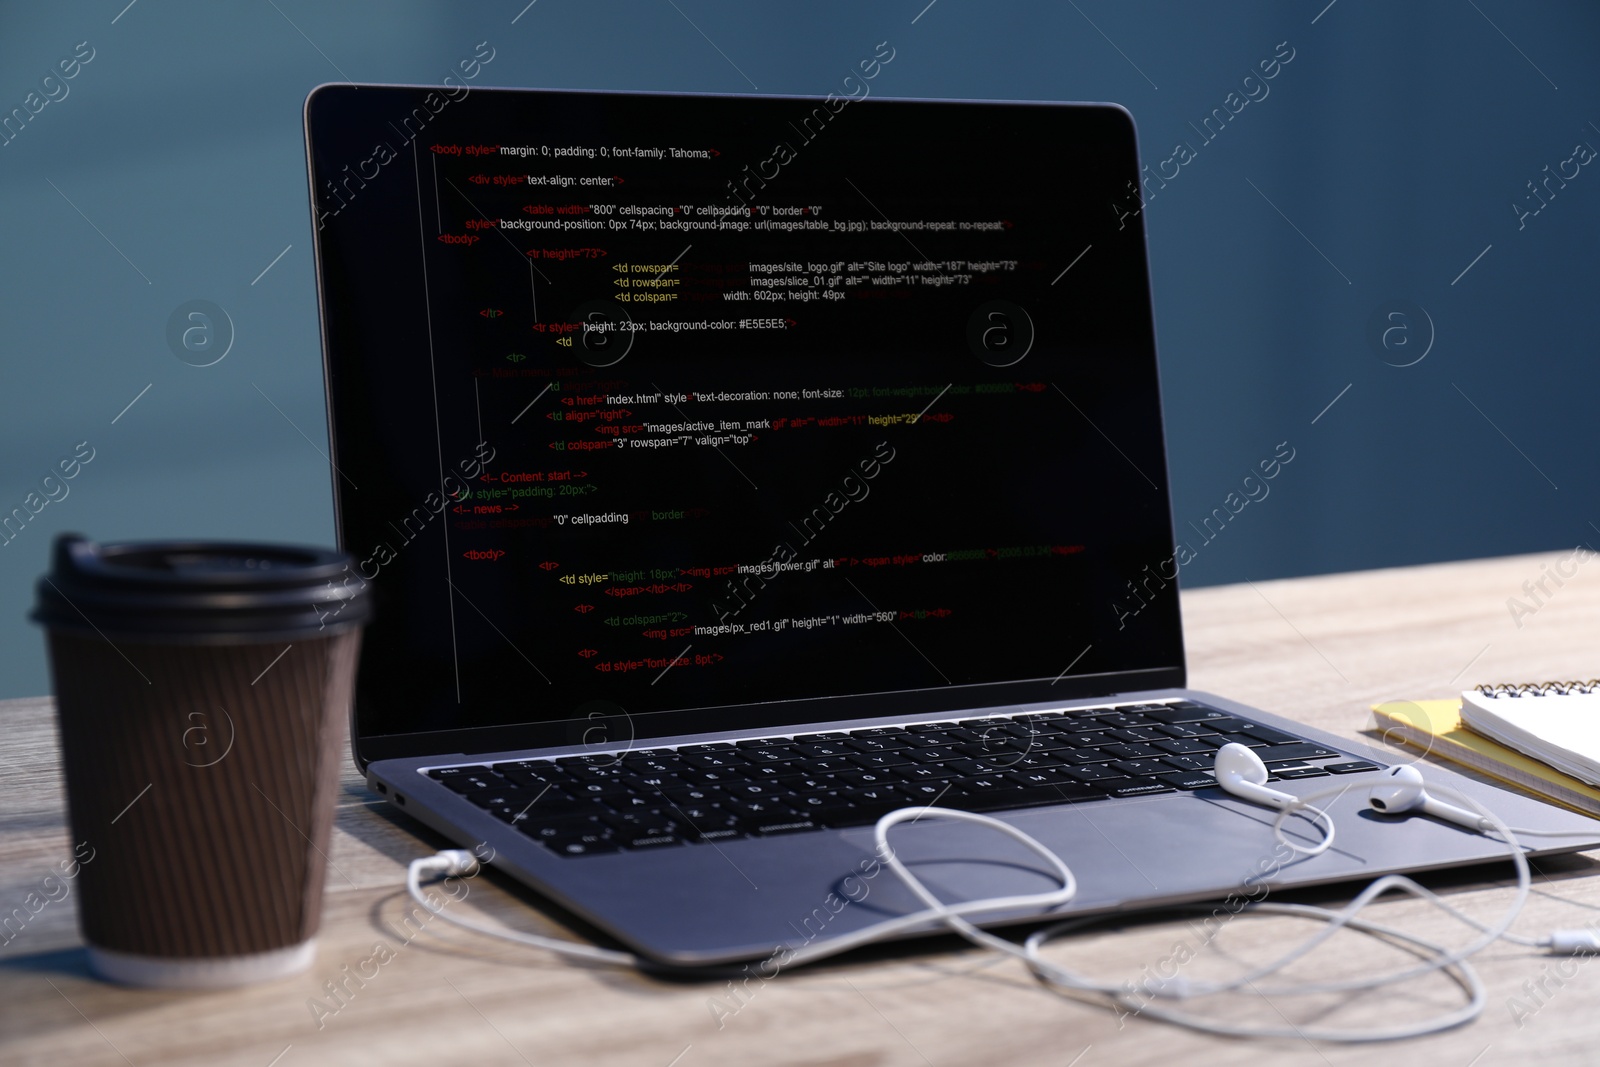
(671, 797)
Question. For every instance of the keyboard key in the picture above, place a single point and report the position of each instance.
(1290, 773)
(982, 784)
(582, 845)
(1185, 746)
(554, 804)
(1123, 718)
(655, 765)
(1080, 724)
(699, 816)
(1012, 799)
(515, 816)
(1190, 763)
(647, 824)
(829, 765)
(876, 798)
(810, 803)
(656, 783)
(931, 755)
(876, 744)
(1238, 739)
(825, 748)
(499, 798)
(712, 761)
(925, 772)
(1293, 753)
(533, 783)
(693, 795)
(716, 776)
(466, 783)
(980, 751)
(750, 789)
(969, 767)
(1268, 734)
(781, 826)
(1125, 751)
(1093, 772)
(928, 739)
(544, 769)
(1352, 767)
(1182, 712)
(1187, 729)
(550, 829)
(808, 783)
(763, 808)
(1141, 768)
(722, 833)
(841, 814)
(1030, 760)
(651, 841)
(608, 788)
(987, 740)
(879, 760)
(1032, 778)
(1137, 733)
(596, 773)
(598, 759)
(1134, 787)
(926, 792)
(1188, 780)
(1093, 739)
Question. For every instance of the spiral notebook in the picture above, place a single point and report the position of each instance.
(1557, 723)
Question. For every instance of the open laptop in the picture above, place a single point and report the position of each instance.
(732, 470)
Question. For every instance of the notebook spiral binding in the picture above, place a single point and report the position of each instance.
(1540, 689)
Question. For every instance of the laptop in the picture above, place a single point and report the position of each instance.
(731, 470)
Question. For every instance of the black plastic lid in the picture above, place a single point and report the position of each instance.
(200, 592)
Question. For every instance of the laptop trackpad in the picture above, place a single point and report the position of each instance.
(1137, 851)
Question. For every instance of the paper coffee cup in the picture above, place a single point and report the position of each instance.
(201, 696)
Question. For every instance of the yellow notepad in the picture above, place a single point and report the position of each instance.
(1434, 726)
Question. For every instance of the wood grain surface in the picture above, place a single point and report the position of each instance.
(1319, 650)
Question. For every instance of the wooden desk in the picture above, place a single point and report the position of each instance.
(1317, 649)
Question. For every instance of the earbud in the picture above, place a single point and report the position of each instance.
(1240, 771)
(1402, 791)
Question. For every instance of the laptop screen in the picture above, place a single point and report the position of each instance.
(644, 404)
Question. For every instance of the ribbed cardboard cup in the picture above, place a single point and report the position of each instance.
(201, 695)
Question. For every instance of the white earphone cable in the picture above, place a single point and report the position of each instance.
(1452, 962)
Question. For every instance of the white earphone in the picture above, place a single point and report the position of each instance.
(1402, 791)
(1240, 771)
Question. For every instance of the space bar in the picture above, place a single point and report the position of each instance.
(1006, 799)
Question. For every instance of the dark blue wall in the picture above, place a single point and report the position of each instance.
(1385, 157)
